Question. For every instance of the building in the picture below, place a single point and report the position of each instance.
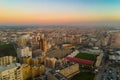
(94, 51)
(50, 62)
(43, 44)
(22, 40)
(68, 46)
(26, 71)
(52, 75)
(78, 60)
(99, 60)
(38, 52)
(69, 69)
(7, 60)
(114, 58)
(38, 70)
(26, 60)
(24, 52)
(11, 72)
(78, 39)
(41, 59)
(33, 61)
(30, 72)
(58, 53)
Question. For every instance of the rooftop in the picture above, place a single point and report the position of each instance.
(88, 62)
(6, 67)
(58, 75)
(65, 66)
(58, 53)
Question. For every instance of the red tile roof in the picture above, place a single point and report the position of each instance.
(88, 62)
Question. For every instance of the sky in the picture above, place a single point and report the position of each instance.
(59, 11)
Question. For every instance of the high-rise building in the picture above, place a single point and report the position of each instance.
(43, 44)
(50, 62)
(11, 72)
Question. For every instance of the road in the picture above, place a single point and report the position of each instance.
(101, 68)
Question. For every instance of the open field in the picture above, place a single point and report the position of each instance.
(86, 56)
(84, 76)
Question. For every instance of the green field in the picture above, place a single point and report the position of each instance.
(7, 50)
(84, 76)
(86, 56)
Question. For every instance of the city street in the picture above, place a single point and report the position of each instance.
(101, 68)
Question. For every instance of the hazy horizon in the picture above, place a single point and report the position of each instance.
(45, 12)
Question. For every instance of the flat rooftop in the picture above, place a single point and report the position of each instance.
(58, 53)
(65, 66)
(58, 75)
(6, 67)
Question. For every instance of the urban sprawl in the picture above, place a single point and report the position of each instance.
(59, 53)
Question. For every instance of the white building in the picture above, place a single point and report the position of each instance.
(24, 52)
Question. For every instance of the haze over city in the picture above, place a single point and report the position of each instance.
(59, 40)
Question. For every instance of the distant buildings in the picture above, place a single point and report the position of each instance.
(52, 55)
(68, 46)
(115, 56)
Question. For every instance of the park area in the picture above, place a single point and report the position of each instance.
(84, 76)
(7, 50)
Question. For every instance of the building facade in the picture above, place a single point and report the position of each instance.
(11, 72)
(7, 60)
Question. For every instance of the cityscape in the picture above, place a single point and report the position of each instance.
(59, 40)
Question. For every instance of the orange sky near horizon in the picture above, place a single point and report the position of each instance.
(57, 12)
(23, 17)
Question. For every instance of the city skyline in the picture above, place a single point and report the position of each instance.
(59, 11)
